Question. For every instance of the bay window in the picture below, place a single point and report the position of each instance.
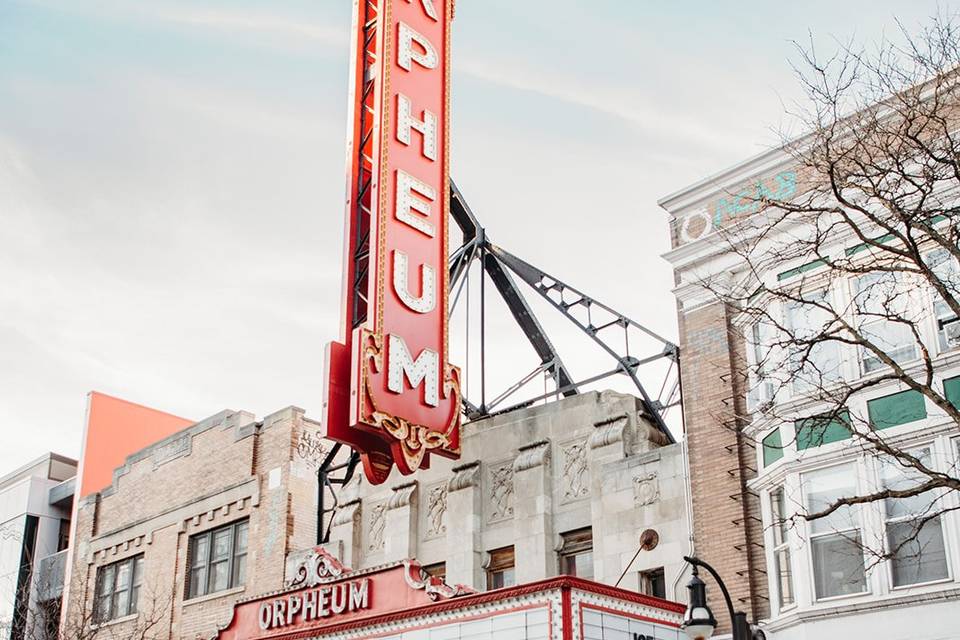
(945, 268)
(782, 568)
(880, 300)
(814, 359)
(914, 530)
(835, 540)
(761, 387)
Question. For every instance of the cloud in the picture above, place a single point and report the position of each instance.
(627, 106)
(228, 20)
(233, 20)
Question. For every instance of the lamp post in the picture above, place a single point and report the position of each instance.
(698, 621)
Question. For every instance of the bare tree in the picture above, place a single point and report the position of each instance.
(88, 619)
(848, 277)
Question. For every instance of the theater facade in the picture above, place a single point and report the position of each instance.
(399, 600)
(210, 531)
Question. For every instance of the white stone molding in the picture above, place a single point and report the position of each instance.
(464, 476)
(609, 430)
(403, 495)
(348, 513)
(535, 454)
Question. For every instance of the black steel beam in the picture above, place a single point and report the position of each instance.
(543, 284)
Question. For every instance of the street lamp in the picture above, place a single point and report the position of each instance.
(698, 620)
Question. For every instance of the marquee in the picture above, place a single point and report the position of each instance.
(324, 599)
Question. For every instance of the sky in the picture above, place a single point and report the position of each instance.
(172, 178)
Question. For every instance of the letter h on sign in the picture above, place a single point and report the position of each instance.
(392, 395)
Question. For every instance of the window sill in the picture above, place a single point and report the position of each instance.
(109, 623)
(864, 604)
(826, 600)
(919, 585)
(214, 596)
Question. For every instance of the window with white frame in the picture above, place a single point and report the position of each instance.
(816, 362)
(879, 297)
(761, 387)
(945, 267)
(835, 539)
(914, 530)
(782, 568)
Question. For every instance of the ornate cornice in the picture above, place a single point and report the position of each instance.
(535, 454)
(435, 588)
(465, 476)
(347, 513)
(318, 566)
(609, 430)
(403, 495)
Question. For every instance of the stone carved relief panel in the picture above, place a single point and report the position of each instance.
(500, 490)
(435, 513)
(646, 489)
(574, 473)
(376, 526)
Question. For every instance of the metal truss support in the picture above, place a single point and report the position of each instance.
(596, 320)
(600, 322)
(326, 479)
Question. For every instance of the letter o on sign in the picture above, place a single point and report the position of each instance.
(266, 615)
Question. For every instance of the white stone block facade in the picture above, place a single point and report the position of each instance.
(524, 479)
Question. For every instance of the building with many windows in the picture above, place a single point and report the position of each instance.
(222, 512)
(782, 420)
(190, 524)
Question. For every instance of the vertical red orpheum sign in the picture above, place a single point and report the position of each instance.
(391, 394)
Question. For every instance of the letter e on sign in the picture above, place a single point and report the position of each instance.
(392, 394)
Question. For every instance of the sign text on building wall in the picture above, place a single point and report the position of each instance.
(734, 206)
(323, 602)
(391, 393)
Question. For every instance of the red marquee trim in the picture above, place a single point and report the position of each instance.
(563, 584)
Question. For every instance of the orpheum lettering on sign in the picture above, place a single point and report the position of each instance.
(315, 604)
(391, 393)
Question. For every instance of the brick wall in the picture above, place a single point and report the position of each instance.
(222, 470)
(725, 532)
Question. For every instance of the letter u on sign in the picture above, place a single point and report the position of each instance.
(404, 395)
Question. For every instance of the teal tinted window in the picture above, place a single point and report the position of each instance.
(819, 430)
(898, 408)
(801, 269)
(951, 388)
(772, 448)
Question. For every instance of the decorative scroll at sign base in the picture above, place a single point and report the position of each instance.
(391, 394)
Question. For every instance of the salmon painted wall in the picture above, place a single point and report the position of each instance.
(115, 429)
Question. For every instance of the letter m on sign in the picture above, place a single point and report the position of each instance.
(391, 393)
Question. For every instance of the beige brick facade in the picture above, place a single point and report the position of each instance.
(525, 479)
(727, 529)
(225, 469)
